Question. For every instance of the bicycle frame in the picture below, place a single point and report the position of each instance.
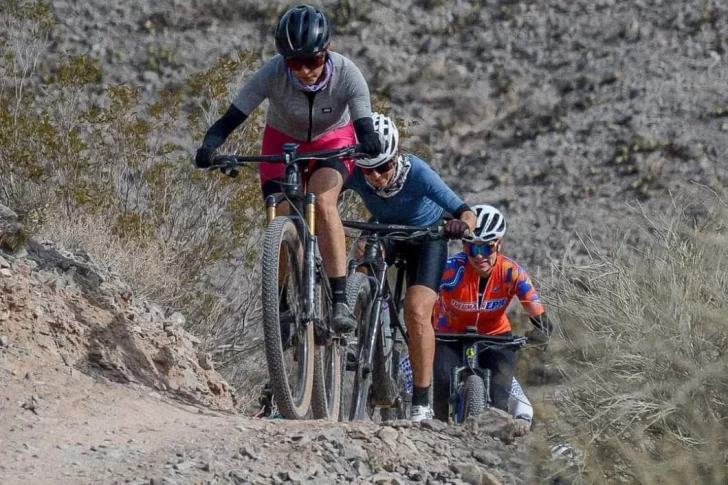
(302, 212)
(317, 368)
(374, 260)
(470, 365)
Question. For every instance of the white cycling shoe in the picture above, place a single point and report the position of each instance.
(420, 413)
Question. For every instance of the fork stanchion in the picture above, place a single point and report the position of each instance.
(270, 208)
(311, 212)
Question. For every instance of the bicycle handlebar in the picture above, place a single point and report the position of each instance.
(386, 228)
(231, 161)
(499, 341)
(399, 231)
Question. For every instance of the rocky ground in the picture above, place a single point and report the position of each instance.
(98, 387)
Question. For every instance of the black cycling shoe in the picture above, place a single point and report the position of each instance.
(342, 320)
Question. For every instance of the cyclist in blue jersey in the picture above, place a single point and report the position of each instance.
(400, 188)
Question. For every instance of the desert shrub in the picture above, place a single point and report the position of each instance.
(645, 343)
(97, 169)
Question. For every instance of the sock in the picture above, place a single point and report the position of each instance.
(338, 289)
(420, 396)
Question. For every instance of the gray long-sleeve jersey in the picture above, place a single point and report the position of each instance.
(307, 116)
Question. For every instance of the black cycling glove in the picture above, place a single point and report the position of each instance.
(216, 135)
(456, 229)
(371, 144)
(203, 157)
(370, 140)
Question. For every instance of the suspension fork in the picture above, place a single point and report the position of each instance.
(309, 258)
(454, 389)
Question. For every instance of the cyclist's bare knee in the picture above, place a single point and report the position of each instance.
(418, 305)
(360, 246)
(326, 183)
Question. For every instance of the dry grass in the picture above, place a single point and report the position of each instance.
(644, 345)
(98, 170)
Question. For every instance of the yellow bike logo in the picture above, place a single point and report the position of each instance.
(470, 354)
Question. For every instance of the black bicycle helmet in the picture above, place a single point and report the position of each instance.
(302, 31)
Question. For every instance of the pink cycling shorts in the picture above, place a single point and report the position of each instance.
(273, 140)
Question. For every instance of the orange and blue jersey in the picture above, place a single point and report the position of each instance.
(459, 305)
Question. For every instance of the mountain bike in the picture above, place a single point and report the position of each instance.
(297, 298)
(378, 347)
(470, 383)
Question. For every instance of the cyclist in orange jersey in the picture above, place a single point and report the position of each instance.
(476, 288)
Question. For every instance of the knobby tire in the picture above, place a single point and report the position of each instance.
(474, 396)
(281, 236)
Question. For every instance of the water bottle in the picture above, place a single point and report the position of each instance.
(406, 368)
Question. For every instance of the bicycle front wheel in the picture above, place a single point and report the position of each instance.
(289, 342)
(474, 396)
(357, 393)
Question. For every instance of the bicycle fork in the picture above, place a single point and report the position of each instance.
(309, 259)
(383, 392)
(454, 404)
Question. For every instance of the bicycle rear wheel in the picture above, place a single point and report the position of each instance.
(326, 400)
(289, 342)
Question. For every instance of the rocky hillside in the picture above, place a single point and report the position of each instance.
(559, 112)
(99, 387)
(62, 313)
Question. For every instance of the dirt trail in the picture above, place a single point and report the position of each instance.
(99, 387)
(59, 424)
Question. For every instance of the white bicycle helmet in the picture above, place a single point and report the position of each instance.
(389, 136)
(489, 226)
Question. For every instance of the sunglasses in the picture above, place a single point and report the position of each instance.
(298, 63)
(380, 169)
(484, 249)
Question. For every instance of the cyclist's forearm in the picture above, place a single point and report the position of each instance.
(464, 213)
(221, 129)
(363, 126)
(543, 323)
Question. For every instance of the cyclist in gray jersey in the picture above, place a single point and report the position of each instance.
(319, 100)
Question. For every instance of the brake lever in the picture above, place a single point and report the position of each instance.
(231, 172)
